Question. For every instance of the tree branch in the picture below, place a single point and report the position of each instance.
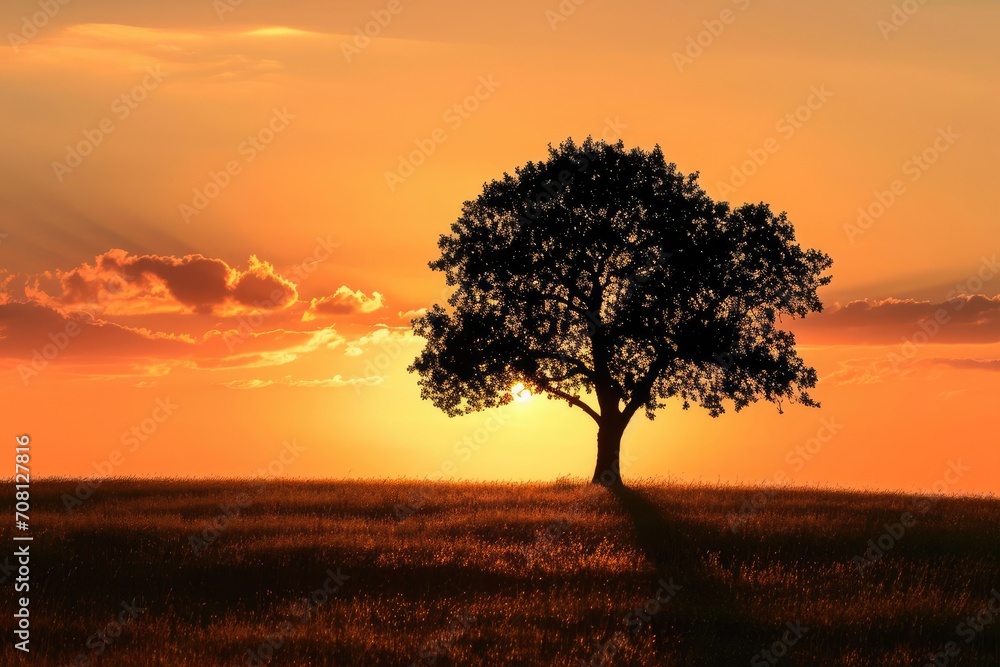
(566, 302)
(573, 362)
(642, 390)
(573, 400)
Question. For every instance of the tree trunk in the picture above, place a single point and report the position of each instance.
(609, 442)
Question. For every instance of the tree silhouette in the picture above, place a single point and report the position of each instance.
(605, 274)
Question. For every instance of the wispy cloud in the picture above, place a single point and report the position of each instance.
(962, 319)
(324, 383)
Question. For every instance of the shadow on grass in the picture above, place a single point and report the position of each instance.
(670, 543)
(703, 607)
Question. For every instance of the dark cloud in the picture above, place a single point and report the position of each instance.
(123, 284)
(963, 319)
(34, 336)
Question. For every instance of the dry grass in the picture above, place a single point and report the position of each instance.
(500, 574)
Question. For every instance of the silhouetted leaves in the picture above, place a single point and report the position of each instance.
(606, 270)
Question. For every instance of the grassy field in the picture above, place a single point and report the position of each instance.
(397, 573)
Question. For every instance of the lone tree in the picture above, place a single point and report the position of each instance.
(604, 273)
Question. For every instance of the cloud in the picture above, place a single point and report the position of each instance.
(325, 383)
(892, 366)
(408, 315)
(344, 301)
(34, 336)
(962, 394)
(248, 384)
(143, 316)
(279, 31)
(968, 364)
(338, 381)
(118, 283)
(211, 54)
(30, 328)
(863, 371)
(963, 319)
(262, 288)
(238, 348)
(389, 339)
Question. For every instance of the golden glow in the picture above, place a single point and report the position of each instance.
(187, 96)
(277, 31)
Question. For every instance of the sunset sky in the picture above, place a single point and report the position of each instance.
(216, 220)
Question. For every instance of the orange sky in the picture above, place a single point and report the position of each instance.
(198, 205)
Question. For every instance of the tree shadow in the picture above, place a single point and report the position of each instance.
(688, 627)
(657, 533)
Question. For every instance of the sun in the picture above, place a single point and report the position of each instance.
(520, 392)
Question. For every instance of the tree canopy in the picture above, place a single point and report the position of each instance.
(604, 273)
